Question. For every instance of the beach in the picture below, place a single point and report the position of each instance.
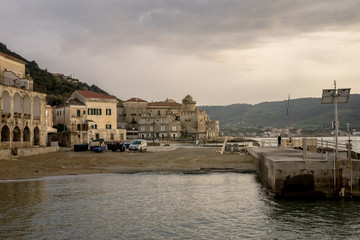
(155, 159)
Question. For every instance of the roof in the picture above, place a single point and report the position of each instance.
(90, 94)
(75, 101)
(71, 102)
(135, 99)
(119, 104)
(12, 58)
(165, 104)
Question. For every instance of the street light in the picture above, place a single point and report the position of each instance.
(335, 96)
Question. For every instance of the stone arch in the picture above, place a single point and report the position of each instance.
(27, 104)
(26, 134)
(5, 134)
(6, 102)
(17, 103)
(16, 134)
(37, 107)
(36, 136)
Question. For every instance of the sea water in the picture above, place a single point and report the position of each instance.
(166, 206)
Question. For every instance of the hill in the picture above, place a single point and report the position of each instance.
(57, 86)
(306, 113)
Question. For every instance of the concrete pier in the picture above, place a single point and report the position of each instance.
(287, 173)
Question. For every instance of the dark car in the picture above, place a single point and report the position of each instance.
(118, 146)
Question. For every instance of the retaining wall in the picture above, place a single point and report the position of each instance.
(8, 154)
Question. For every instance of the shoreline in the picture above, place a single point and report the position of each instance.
(164, 159)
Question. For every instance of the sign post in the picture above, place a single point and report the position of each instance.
(335, 96)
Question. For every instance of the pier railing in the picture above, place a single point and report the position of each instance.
(312, 143)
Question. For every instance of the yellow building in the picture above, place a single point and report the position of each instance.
(89, 116)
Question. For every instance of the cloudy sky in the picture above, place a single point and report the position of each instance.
(219, 51)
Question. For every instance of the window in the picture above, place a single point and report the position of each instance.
(84, 112)
(94, 111)
(108, 126)
(142, 128)
(78, 112)
(173, 128)
(162, 128)
(108, 111)
(159, 113)
(78, 126)
(112, 136)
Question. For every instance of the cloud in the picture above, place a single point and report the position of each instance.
(188, 26)
(222, 51)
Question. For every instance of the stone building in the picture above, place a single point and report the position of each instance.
(195, 123)
(165, 120)
(22, 110)
(89, 116)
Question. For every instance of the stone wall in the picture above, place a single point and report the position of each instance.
(8, 154)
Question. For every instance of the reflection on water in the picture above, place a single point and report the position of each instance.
(166, 206)
(19, 203)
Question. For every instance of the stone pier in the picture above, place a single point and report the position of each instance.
(291, 173)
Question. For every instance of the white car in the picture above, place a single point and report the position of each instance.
(138, 144)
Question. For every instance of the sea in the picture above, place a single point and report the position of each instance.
(166, 206)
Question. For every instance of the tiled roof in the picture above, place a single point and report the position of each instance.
(165, 104)
(90, 94)
(12, 58)
(119, 104)
(135, 99)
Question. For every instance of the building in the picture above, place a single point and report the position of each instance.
(22, 110)
(165, 120)
(49, 125)
(89, 116)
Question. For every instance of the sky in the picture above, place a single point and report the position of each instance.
(220, 52)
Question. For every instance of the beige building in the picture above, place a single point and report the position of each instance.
(23, 111)
(165, 120)
(90, 116)
(49, 124)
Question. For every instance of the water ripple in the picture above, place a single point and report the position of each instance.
(166, 206)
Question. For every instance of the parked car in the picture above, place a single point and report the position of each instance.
(138, 144)
(127, 144)
(97, 145)
(99, 149)
(118, 146)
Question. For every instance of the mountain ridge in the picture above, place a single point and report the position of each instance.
(303, 113)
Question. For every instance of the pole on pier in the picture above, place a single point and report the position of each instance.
(335, 96)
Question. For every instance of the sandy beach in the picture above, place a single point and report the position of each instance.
(155, 159)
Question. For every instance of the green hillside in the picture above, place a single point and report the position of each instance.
(306, 113)
(56, 86)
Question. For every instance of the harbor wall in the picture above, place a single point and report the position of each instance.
(286, 174)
